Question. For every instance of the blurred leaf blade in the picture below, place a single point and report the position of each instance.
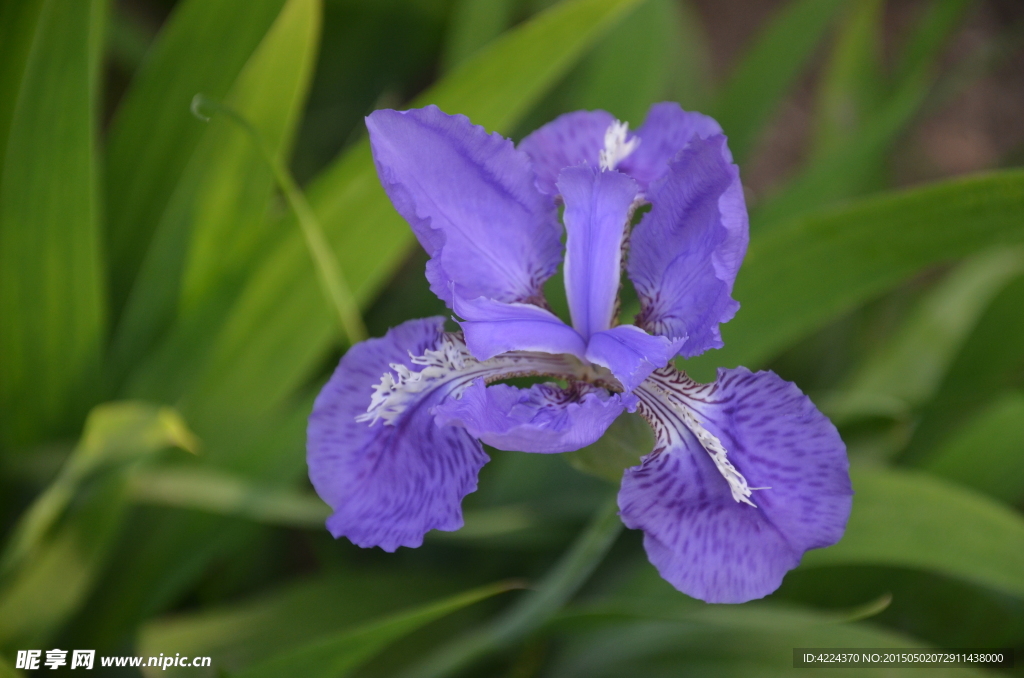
(281, 618)
(473, 24)
(231, 495)
(50, 587)
(339, 655)
(115, 433)
(913, 520)
(852, 78)
(990, 362)
(985, 454)
(203, 48)
(740, 640)
(18, 22)
(843, 170)
(226, 494)
(51, 562)
(213, 222)
(560, 584)
(51, 276)
(652, 55)
(938, 22)
(7, 670)
(799, 276)
(153, 570)
(905, 372)
(769, 68)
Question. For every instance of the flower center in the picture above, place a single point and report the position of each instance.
(616, 148)
(453, 368)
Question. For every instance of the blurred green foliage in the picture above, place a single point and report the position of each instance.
(152, 273)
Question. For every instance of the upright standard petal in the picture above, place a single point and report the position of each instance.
(745, 477)
(392, 481)
(685, 253)
(543, 418)
(665, 132)
(598, 207)
(471, 200)
(568, 140)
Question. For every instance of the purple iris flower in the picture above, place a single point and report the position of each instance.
(746, 474)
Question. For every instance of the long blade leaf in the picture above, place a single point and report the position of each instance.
(203, 48)
(51, 279)
(912, 520)
(340, 654)
(799, 276)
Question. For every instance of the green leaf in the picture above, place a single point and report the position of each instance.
(7, 670)
(51, 278)
(258, 357)
(912, 520)
(559, 585)
(202, 48)
(275, 621)
(225, 494)
(719, 640)
(990, 362)
(39, 597)
(768, 70)
(18, 22)
(858, 165)
(626, 440)
(115, 434)
(906, 371)
(653, 51)
(151, 569)
(214, 222)
(51, 561)
(921, 51)
(473, 24)
(985, 454)
(231, 495)
(798, 277)
(340, 654)
(850, 85)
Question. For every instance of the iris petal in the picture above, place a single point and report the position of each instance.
(389, 484)
(471, 200)
(598, 207)
(630, 353)
(665, 132)
(685, 253)
(568, 140)
(700, 537)
(543, 418)
(492, 328)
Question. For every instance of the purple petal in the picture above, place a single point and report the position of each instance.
(598, 207)
(543, 418)
(665, 132)
(492, 328)
(686, 251)
(470, 198)
(388, 484)
(700, 538)
(630, 353)
(566, 141)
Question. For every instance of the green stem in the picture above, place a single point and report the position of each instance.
(537, 607)
(331, 279)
